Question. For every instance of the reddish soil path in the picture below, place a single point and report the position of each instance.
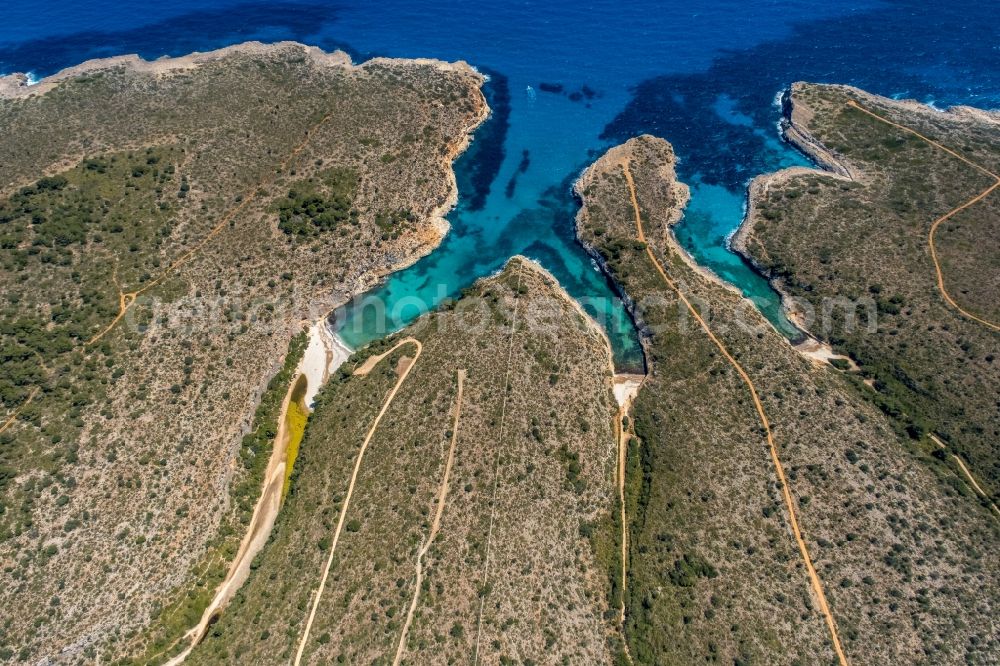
(934, 225)
(817, 586)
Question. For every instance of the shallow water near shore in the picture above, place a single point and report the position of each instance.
(568, 81)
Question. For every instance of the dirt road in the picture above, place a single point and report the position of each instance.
(261, 523)
(436, 525)
(968, 476)
(13, 417)
(623, 437)
(817, 586)
(934, 225)
(361, 371)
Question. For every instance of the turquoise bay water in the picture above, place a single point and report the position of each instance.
(703, 75)
(522, 213)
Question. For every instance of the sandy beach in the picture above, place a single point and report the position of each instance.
(324, 354)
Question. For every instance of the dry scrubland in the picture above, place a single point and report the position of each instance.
(240, 192)
(533, 471)
(903, 549)
(236, 194)
(866, 237)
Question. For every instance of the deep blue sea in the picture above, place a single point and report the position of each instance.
(567, 80)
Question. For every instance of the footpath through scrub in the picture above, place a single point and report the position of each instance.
(496, 469)
(127, 299)
(623, 435)
(817, 585)
(934, 225)
(968, 475)
(363, 370)
(436, 525)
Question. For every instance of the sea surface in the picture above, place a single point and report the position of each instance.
(567, 80)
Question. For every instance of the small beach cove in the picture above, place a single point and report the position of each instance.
(489, 225)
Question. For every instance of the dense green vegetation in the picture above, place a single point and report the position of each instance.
(67, 239)
(115, 478)
(319, 204)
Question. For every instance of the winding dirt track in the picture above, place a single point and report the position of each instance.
(817, 586)
(363, 370)
(17, 412)
(934, 225)
(436, 525)
(968, 476)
